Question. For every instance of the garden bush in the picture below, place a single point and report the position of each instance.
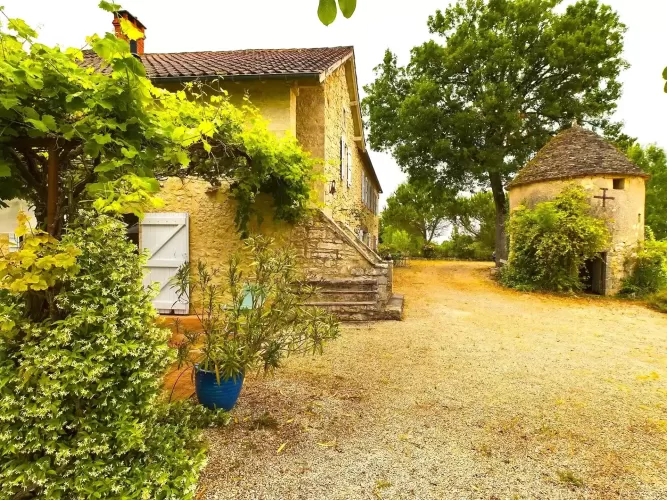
(648, 269)
(659, 301)
(551, 243)
(81, 365)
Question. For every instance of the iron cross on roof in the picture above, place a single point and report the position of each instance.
(604, 197)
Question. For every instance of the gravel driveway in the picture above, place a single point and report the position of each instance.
(480, 393)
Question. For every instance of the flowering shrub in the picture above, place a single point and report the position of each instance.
(80, 382)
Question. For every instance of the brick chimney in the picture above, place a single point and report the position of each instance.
(136, 46)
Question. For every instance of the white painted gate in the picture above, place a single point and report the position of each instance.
(166, 237)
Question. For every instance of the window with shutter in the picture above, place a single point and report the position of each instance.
(363, 187)
(349, 168)
(343, 157)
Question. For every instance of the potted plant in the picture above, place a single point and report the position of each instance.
(252, 316)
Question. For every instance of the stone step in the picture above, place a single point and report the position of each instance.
(350, 311)
(343, 295)
(345, 284)
(335, 304)
(394, 308)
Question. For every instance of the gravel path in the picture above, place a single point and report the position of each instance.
(480, 393)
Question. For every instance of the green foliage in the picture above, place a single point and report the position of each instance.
(80, 414)
(399, 243)
(251, 318)
(659, 301)
(327, 10)
(476, 216)
(420, 209)
(111, 132)
(653, 160)
(551, 242)
(464, 246)
(496, 82)
(648, 269)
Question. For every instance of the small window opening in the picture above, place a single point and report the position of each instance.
(619, 183)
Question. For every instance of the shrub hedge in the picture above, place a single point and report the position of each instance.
(550, 243)
(80, 384)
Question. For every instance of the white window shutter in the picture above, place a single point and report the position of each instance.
(349, 168)
(363, 187)
(343, 157)
(166, 237)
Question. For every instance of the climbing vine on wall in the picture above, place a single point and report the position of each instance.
(95, 124)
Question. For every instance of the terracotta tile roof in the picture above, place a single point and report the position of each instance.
(576, 152)
(292, 63)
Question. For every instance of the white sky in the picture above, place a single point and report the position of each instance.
(174, 26)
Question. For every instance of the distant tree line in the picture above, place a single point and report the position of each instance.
(419, 214)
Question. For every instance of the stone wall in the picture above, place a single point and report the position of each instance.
(310, 131)
(324, 249)
(346, 204)
(624, 215)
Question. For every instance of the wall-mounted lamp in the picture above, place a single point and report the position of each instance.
(332, 188)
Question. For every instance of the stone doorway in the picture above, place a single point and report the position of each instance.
(595, 276)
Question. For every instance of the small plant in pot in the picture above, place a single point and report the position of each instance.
(253, 315)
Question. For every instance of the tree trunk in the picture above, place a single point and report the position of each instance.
(501, 215)
(52, 191)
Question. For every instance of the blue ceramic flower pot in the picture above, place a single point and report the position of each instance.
(216, 396)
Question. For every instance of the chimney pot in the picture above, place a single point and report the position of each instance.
(136, 46)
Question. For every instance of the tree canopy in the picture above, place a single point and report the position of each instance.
(653, 161)
(419, 210)
(473, 106)
(73, 133)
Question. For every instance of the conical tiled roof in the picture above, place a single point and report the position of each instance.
(576, 152)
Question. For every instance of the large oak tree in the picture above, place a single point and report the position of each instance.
(497, 81)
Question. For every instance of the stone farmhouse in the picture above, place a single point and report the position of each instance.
(313, 95)
(617, 190)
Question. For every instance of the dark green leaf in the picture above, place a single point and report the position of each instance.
(5, 169)
(38, 124)
(50, 122)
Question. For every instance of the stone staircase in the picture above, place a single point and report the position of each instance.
(358, 292)
(355, 299)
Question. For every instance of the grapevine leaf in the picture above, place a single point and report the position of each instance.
(327, 11)
(109, 6)
(347, 7)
